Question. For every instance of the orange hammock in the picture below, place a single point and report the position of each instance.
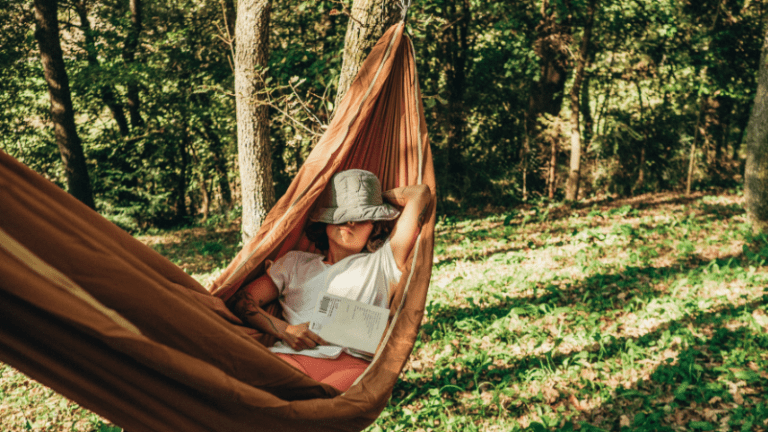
(106, 321)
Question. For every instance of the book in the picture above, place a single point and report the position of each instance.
(349, 323)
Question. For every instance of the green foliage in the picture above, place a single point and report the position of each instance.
(662, 76)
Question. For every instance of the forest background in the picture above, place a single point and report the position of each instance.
(664, 97)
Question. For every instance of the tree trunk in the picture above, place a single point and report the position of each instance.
(552, 177)
(607, 93)
(756, 172)
(586, 111)
(643, 121)
(572, 186)
(106, 91)
(723, 115)
(206, 194)
(62, 112)
(524, 162)
(254, 153)
(692, 156)
(181, 178)
(129, 56)
(368, 21)
(547, 93)
(741, 120)
(454, 47)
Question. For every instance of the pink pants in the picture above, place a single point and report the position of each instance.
(340, 372)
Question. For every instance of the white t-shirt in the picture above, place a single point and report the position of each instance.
(302, 276)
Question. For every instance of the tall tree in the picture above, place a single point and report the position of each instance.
(129, 56)
(572, 186)
(756, 172)
(546, 93)
(369, 20)
(454, 50)
(62, 111)
(254, 152)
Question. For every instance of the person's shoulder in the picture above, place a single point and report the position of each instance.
(301, 256)
(292, 258)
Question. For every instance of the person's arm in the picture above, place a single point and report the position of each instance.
(248, 305)
(415, 201)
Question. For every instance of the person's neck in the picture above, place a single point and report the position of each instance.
(336, 254)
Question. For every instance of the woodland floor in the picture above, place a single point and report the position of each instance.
(648, 313)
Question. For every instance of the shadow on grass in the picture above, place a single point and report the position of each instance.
(535, 237)
(634, 283)
(697, 390)
(648, 201)
(597, 293)
(695, 379)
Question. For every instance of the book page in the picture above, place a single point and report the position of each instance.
(349, 323)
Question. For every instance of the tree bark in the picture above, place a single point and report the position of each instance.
(572, 186)
(368, 21)
(254, 153)
(756, 171)
(62, 111)
(106, 91)
(129, 56)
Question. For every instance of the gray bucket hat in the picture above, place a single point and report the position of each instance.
(352, 196)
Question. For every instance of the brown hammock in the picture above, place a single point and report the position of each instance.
(106, 321)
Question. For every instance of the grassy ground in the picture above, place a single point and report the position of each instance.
(642, 314)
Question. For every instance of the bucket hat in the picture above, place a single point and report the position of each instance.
(352, 196)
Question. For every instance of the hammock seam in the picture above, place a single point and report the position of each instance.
(418, 109)
(407, 286)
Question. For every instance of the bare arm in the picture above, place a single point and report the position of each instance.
(414, 200)
(248, 307)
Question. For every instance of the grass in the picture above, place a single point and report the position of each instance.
(643, 314)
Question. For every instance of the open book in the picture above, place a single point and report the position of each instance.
(349, 323)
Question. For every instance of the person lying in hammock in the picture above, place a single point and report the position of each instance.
(359, 262)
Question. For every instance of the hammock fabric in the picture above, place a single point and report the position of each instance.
(108, 322)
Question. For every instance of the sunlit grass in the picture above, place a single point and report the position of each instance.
(624, 314)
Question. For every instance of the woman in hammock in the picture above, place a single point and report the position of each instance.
(359, 262)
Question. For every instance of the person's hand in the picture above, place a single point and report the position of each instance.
(300, 337)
